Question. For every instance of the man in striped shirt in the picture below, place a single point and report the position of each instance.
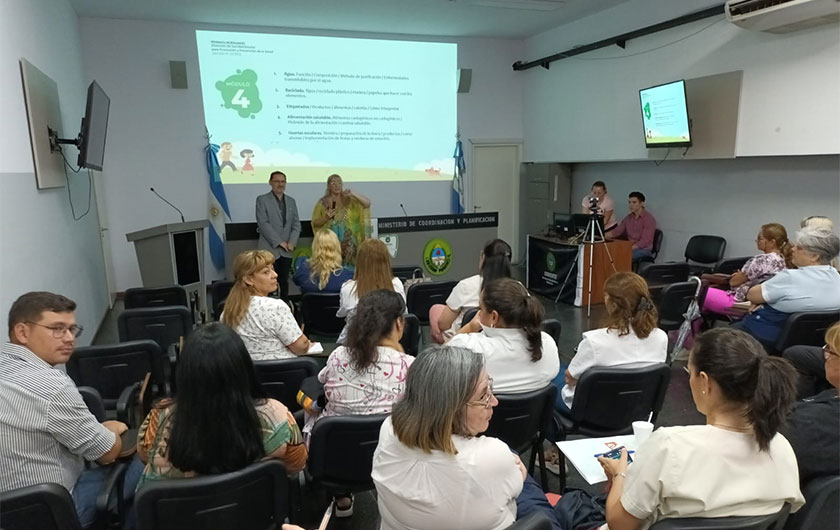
(46, 431)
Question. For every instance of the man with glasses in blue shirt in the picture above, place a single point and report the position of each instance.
(46, 429)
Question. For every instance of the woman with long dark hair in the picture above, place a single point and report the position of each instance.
(220, 420)
(737, 464)
(446, 319)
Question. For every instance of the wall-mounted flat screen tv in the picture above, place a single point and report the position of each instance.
(94, 128)
(665, 115)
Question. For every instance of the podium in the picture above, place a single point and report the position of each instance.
(173, 254)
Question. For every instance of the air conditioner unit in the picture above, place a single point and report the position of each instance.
(782, 16)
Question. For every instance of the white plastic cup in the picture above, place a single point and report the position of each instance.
(642, 430)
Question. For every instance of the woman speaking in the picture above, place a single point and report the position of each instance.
(346, 213)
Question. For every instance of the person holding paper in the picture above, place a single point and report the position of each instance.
(346, 213)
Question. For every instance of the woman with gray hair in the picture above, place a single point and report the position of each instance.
(813, 286)
(431, 467)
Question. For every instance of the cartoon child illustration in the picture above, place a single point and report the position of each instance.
(225, 152)
(247, 154)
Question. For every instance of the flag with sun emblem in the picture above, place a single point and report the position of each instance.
(219, 212)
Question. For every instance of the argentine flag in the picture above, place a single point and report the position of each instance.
(458, 179)
(219, 211)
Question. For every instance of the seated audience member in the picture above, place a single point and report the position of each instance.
(809, 362)
(817, 221)
(737, 464)
(606, 206)
(519, 356)
(814, 286)
(322, 272)
(446, 320)
(373, 271)
(775, 256)
(266, 325)
(432, 469)
(639, 227)
(630, 336)
(814, 425)
(220, 420)
(46, 430)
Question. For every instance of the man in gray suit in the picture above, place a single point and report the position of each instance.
(279, 227)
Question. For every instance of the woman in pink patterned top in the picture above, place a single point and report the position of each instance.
(772, 241)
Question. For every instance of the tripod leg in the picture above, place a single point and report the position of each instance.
(606, 247)
(563, 286)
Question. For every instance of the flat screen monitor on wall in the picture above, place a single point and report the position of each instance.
(94, 128)
(665, 115)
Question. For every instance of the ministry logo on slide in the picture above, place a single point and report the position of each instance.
(240, 92)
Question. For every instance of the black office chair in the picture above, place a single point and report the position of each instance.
(673, 303)
(219, 291)
(164, 325)
(422, 296)
(469, 315)
(822, 505)
(665, 273)
(553, 327)
(318, 311)
(773, 521)
(407, 272)
(411, 335)
(521, 420)
(113, 369)
(155, 297)
(281, 378)
(806, 329)
(254, 497)
(341, 452)
(609, 399)
(657, 245)
(46, 506)
(532, 521)
(730, 265)
(705, 251)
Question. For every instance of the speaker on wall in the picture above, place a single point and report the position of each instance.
(464, 80)
(178, 74)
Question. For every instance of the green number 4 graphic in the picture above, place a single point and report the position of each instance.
(647, 110)
(240, 92)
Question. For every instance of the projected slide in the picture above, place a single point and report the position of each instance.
(665, 115)
(370, 110)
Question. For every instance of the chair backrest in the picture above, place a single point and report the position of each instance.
(674, 302)
(411, 335)
(806, 329)
(553, 327)
(46, 506)
(219, 291)
(341, 451)
(318, 310)
(281, 378)
(663, 273)
(730, 265)
(112, 367)
(164, 325)
(407, 272)
(469, 315)
(422, 296)
(773, 521)
(609, 399)
(520, 419)
(705, 249)
(536, 520)
(255, 497)
(822, 505)
(93, 401)
(155, 297)
(657, 242)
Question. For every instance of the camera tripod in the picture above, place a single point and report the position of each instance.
(588, 237)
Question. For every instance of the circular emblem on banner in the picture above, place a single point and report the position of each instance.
(437, 257)
(550, 262)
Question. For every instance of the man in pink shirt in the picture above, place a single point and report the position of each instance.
(637, 227)
(606, 207)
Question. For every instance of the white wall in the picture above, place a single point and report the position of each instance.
(586, 108)
(156, 134)
(729, 198)
(41, 247)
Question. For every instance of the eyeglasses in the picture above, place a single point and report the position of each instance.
(59, 331)
(486, 398)
(828, 352)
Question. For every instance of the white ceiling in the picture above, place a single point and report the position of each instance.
(446, 18)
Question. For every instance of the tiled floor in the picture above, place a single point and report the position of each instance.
(677, 410)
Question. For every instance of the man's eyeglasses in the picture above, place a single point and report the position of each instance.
(59, 331)
(486, 398)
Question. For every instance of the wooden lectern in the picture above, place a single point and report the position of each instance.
(173, 254)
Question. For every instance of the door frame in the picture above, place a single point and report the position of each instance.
(469, 190)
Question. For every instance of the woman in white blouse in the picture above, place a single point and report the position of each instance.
(266, 325)
(373, 271)
(738, 464)
(520, 356)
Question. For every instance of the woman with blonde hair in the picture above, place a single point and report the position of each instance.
(322, 272)
(373, 271)
(630, 335)
(266, 325)
(346, 213)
